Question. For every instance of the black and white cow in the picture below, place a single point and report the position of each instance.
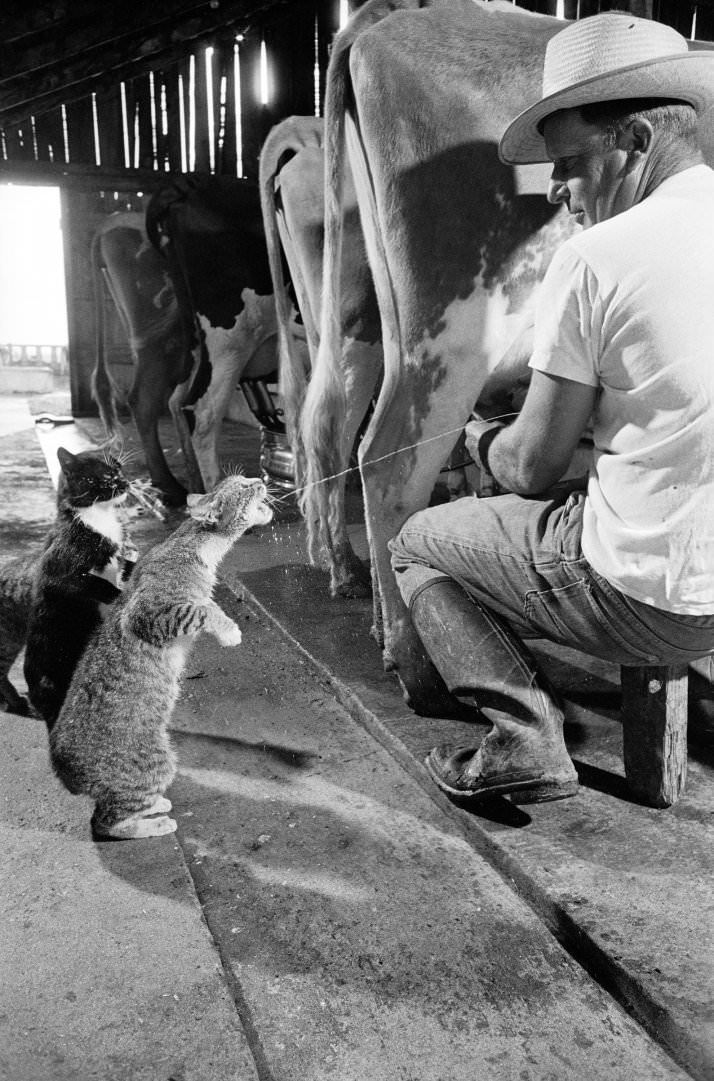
(210, 231)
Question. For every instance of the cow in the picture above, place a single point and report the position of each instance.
(418, 95)
(124, 261)
(209, 229)
(291, 180)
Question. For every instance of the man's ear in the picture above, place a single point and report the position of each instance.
(636, 138)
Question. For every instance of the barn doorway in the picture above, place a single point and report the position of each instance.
(33, 302)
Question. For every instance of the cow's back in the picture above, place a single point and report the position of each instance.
(435, 88)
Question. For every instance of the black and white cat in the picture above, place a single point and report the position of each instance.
(84, 566)
(110, 740)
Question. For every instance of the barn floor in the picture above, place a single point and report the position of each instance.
(322, 911)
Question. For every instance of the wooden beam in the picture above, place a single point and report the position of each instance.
(98, 68)
(82, 177)
(31, 26)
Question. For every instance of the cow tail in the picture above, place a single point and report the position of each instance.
(105, 391)
(324, 411)
(293, 380)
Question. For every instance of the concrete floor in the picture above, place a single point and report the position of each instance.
(323, 912)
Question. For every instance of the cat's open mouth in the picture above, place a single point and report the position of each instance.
(260, 510)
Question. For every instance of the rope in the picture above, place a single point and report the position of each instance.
(382, 458)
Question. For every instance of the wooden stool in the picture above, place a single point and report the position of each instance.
(654, 732)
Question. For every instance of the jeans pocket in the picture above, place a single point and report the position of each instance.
(556, 612)
(570, 527)
(573, 615)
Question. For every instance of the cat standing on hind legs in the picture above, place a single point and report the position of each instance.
(110, 740)
(54, 596)
(82, 569)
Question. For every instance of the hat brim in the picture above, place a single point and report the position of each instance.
(684, 77)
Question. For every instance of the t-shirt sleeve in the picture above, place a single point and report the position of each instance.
(567, 324)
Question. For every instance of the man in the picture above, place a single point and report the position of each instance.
(623, 570)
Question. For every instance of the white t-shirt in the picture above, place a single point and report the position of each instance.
(628, 306)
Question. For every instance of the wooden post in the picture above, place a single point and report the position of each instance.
(654, 731)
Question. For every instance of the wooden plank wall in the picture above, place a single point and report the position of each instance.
(143, 123)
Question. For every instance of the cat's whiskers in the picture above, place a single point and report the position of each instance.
(231, 469)
(125, 455)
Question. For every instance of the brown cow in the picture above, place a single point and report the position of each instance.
(292, 196)
(421, 92)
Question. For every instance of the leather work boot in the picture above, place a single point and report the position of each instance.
(477, 655)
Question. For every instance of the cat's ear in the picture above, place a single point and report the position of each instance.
(203, 508)
(65, 458)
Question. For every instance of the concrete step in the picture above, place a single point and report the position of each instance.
(365, 935)
(628, 889)
(109, 972)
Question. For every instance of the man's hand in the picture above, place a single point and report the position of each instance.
(479, 434)
(533, 453)
(505, 389)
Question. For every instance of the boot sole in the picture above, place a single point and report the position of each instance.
(520, 791)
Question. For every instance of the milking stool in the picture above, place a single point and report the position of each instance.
(654, 732)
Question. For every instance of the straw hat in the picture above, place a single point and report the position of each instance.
(605, 58)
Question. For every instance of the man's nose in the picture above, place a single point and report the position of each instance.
(557, 191)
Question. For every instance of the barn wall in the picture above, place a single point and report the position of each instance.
(82, 212)
(141, 121)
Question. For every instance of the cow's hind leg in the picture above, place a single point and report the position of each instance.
(147, 400)
(177, 402)
(330, 421)
(400, 457)
(362, 364)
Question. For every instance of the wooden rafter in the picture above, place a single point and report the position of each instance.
(82, 64)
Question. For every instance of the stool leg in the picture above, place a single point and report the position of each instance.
(654, 732)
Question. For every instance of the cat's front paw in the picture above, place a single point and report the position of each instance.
(229, 636)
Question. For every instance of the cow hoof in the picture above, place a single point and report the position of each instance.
(354, 589)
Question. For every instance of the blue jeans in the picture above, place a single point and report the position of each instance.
(521, 557)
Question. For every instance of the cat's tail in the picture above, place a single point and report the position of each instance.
(105, 391)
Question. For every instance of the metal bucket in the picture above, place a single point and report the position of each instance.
(277, 461)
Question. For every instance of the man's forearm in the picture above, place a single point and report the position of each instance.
(498, 450)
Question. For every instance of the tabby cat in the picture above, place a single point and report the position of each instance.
(86, 560)
(110, 740)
